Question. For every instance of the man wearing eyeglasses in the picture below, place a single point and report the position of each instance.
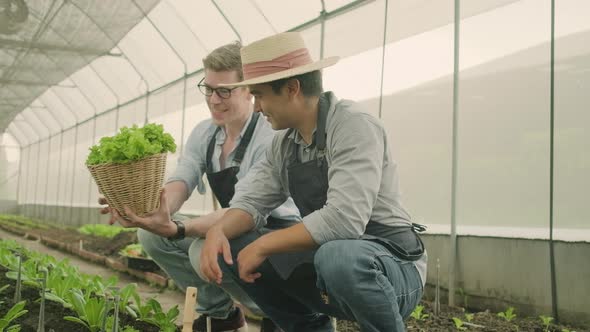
(223, 148)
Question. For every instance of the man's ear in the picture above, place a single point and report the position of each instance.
(248, 94)
(293, 87)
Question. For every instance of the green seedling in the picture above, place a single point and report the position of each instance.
(464, 295)
(468, 317)
(459, 323)
(3, 288)
(546, 321)
(417, 313)
(15, 312)
(166, 321)
(90, 310)
(103, 230)
(508, 315)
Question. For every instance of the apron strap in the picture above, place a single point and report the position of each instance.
(210, 148)
(241, 150)
(246, 139)
(320, 134)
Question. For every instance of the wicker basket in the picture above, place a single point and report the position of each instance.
(136, 185)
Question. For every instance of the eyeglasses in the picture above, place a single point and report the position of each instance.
(223, 93)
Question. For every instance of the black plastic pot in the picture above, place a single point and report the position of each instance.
(142, 264)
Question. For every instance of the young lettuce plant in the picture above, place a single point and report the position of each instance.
(508, 315)
(125, 294)
(459, 323)
(90, 310)
(15, 312)
(546, 321)
(164, 320)
(60, 282)
(417, 313)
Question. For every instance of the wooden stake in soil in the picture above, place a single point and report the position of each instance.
(18, 279)
(107, 304)
(190, 300)
(116, 312)
(43, 281)
(437, 291)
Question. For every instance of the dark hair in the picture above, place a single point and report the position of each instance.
(311, 83)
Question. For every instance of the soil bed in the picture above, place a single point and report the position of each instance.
(484, 321)
(54, 312)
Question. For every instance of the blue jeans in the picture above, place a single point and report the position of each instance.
(356, 280)
(173, 258)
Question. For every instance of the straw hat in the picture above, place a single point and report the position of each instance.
(276, 57)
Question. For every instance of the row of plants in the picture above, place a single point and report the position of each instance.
(94, 238)
(96, 304)
(22, 222)
(102, 230)
(509, 316)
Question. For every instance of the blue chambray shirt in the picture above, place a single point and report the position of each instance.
(192, 164)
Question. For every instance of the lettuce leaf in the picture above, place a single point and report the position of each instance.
(131, 144)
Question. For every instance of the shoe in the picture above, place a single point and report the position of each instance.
(268, 325)
(234, 322)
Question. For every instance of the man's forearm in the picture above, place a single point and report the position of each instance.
(292, 239)
(177, 194)
(236, 222)
(198, 227)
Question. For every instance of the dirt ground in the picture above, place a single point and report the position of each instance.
(474, 321)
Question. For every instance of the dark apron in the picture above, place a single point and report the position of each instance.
(223, 183)
(308, 185)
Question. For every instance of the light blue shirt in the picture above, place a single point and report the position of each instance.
(193, 163)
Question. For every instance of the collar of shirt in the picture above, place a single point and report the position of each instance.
(221, 136)
(220, 139)
(298, 139)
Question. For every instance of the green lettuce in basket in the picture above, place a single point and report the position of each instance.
(131, 144)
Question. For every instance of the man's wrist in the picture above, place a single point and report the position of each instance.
(180, 232)
(261, 245)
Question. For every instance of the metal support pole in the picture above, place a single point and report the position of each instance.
(57, 206)
(39, 168)
(453, 238)
(20, 175)
(554, 302)
(184, 66)
(48, 164)
(73, 175)
(383, 59)
(227, 20)
(322, 18)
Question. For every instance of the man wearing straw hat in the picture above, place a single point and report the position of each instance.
(224, 148)
(356, 255)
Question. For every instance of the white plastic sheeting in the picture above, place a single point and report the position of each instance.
(397, 60)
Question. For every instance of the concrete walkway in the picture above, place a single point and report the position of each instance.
(168, 298)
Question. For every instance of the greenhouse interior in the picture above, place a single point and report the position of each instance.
(484, 104)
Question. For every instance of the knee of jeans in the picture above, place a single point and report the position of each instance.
(194, 254)
(149, 241)
(338, 262)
